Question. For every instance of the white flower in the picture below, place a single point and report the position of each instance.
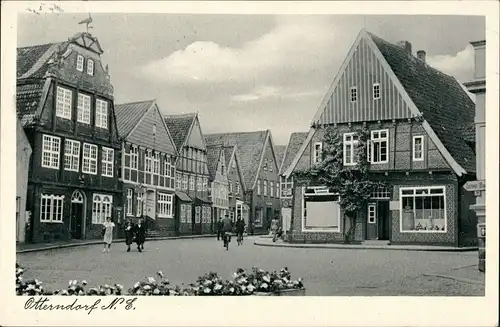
(136, 285)
(266, 278)
(300, 279)
(172, 293)
(231, 290)
(264, 285)
(151, 280)
(64, 292)
(261, 270)
(206, 290)
(217, 287)
(119, 286)
(81, 292)
(84, 282)
(160, 273)
(251, 287)
(38, 282)
(106, 286)
(208, 282)
(147, 287)
(156, 291)
(139, 292)
(235, 275)
(30, 287)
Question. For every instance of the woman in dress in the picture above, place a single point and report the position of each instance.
(129, 234)
(108, 234)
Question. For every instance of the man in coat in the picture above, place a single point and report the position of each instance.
(220, 225)
(140, 235)
(129, 233)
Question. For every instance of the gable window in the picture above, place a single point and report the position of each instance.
(233, 164)
(265, 164)
(101, 113)
(130, 197)
(101, 208)
(191, 183)
(423, 209)
(51, 208)
(258, 187)
(63, 102)
(83, 109)
(353, 94)
(230, 187)
(107, 162)
(318, 148)
(79, 63)
(89, 164)
(90, 67)
(271, 189)
(71, 155)
(286, 186)
(223, 169)
(134, 157)
(185, 178)
(350, 149)
(168, 172)
(237, 187)
(156, 163)
(379, 146)
(372, 212)
(265, 188)
(376, 91)
(418, 148)
(165, 205)
(51, 146)
(148, 167)
(138, 206)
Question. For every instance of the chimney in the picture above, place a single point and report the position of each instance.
(406, 46)
(421, 55)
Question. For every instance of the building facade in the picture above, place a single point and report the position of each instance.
(148, 166)
(65, 104)
(23, 155)
(260, 171)
(415, 145)
(218, 187)
(193, 206)
(238, 207)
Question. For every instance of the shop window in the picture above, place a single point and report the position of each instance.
(321, 210)
(423, 209)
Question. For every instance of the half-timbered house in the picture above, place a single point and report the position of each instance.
(218, 188)
(416, 116)
(193, 207)
(238, 207)
(65, 104)
(260, 172)
(148, 166)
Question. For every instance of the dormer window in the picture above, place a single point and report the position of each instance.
(353, 94)
(90, 67)
(376, 91)
(79, 63)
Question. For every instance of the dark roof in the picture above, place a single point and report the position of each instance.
(129, 114)
(178, 126)
(213, 155)
(469, 133)
(280, 152)
(439, 97)
(228, 152)
(294, 144)
(28, 97)
(250, 147)
(28, 56)
(183, 196)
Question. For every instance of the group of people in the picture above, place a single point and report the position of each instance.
(225, 228)
(133, 232)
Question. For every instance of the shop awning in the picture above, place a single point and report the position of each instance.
(183, 196)
(200, 200)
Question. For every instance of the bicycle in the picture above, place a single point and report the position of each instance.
(227, 240)
(240, 239)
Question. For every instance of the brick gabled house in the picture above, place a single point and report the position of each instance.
(193, 206)
(65, 104)
(418, 118)
(238, 207)
(218, 186)
(148, 166)
(260, 172)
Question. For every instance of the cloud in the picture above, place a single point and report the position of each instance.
(459, 65)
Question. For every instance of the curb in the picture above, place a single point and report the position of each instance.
(460, 279)
(365, 247)
(120, 240)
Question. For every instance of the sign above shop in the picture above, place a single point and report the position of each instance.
(473, 186)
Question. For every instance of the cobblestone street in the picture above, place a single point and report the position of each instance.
(333, 272)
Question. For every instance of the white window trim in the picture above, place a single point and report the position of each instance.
(265, 187)
(422, 231)
(90, 159)
(237, 186)
(166, 201)
(192, 183)
(373, 91)
(316, 230)
(103, 214)
(52, 153)
(354, 145)
(63, 109)
(73, 158)
(139, 205)
(101, 114)
(134, 157)
(286, 183)
(156, 163)
(130, 202)
(83, 111)
(107, 163)
(355, 89)
(79, 63)
(258, 187)
(372, 219)
(90, 67)
(317, 153)
(421, 137)
(371, 147)
(59, 199)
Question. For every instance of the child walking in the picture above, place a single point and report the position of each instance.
(108, 234)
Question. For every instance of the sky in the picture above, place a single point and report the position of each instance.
(247, 72)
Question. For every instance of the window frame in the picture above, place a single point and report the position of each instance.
(139, 204)
(101, 113)
(52, 204)
(191, 183)
(286, 183)
(90, 146)
(375, 90)
(185, 182)
(354, 144)
(130, 202)
(317, 152)
(51, 153)
(90, 67)
(134, 157)
(304, 216)
(83, 112)
(105, 208)
(237, 186)
(74, 159)
(258, 187)
(64, 106)
(421, 138)
(372, 219)
(377, 140)
(353, 94)
(428, 194)
(106, 162)
(80, 62)
(264, 186)
(165, 201)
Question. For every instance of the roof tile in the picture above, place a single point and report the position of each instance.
(179, 126)
(213, 155)
(294, 144)
(27, 99)
(129, 114)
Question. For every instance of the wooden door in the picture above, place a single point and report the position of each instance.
(372, 222)
(384, 220)
(76, 220)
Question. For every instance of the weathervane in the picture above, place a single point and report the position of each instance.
(87, 22)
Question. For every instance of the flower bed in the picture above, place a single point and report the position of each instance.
(255, 282)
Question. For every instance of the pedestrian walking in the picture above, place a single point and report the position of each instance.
(140, 235)
(227, 228)
(108, 234)
(240, 229)
(220, 225)
(274, 228)
(129, 234)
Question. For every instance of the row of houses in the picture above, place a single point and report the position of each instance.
(83, 158)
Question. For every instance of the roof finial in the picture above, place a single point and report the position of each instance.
(87, 22)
